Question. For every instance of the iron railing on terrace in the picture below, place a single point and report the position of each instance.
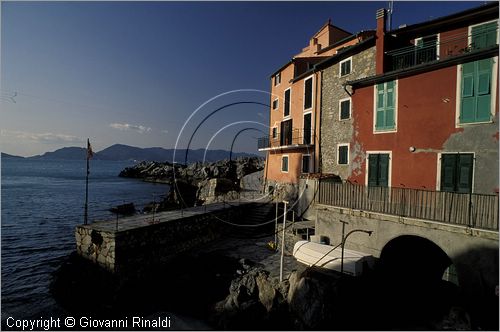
(292, 138)
(434, 49)
(472, 210)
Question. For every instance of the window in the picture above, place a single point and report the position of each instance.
(286, 133)
(343, 154)
(286, 110)
(378, 170)
(484, 35)
(306, 163)
(385, 106)
(456, 172)
(307, 129)
(475, 93)
(345, 109)
(277, 79)
(275, 132)
(345, 67)
(284, 164)
(275, 104)
(426, 49)
(308, 91)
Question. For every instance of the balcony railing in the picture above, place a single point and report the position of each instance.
(444, 48)
(287, 139)
(471, 210)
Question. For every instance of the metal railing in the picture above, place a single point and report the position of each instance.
(294, 137)
(442, 49)
(472, 210)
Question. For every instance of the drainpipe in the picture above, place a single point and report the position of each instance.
(318, 138)
(344, 85)
(266, 165)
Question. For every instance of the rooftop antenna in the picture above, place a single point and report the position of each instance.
(389, 11)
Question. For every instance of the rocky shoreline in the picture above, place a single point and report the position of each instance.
(197, 183)
(232, 284)
(220, 289)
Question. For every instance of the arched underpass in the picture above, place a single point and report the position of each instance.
(410, 282)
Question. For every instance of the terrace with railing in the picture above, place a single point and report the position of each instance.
(433, 48)
(289, 139)
(470, 210)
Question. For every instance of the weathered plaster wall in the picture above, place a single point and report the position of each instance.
(483, 141)
(426, 120)
(333, 130)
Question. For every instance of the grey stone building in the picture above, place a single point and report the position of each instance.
(337, 127)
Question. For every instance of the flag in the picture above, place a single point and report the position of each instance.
(90, 153)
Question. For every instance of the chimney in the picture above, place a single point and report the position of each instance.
(314, 47)
(380, 41)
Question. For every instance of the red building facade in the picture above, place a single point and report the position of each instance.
(428, 119)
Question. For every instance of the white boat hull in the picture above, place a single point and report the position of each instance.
(325, 256)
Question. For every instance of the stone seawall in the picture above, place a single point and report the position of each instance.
(134, 250)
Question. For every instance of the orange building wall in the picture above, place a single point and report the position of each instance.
(297, 115)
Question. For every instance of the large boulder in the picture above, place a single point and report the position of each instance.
(255, 301)
(310, 300)
(182, 194)
(214, 190)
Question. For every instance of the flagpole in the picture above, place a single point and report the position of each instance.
(85, 221)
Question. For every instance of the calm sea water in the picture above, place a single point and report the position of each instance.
(41, 203)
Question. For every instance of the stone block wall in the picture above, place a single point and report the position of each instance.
(96, 246)
(130, 252)
(333, 130)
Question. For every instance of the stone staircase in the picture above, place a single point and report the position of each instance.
(259, 214)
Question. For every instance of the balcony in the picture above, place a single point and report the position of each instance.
(289, 139)
(430, 49)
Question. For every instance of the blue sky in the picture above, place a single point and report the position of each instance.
(134, 72)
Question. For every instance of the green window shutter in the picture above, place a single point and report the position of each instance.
(485, 68)
(380, 95)
(483, 83)
(484, 35)
(448, 170)
(286, 109)
(378, 170)
(380, 111)
(483, 102)
(468, 85)
(383, 176)
(386, 101)
(465, 166)
(389, 111)
(372, 170)
(308, 93)
(468, 102)
(343, 155)
(284, 164)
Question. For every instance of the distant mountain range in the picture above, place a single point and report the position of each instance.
(119, 152)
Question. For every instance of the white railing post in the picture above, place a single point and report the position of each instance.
(283, 243)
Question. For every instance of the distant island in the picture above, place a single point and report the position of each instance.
(121, 152)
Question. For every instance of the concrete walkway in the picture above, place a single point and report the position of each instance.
(143, 220)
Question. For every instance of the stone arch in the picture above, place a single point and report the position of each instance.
(414, 258)
(411, 281)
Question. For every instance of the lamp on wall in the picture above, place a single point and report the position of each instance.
(412, 149)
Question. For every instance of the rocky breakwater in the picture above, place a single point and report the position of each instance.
(197, 183)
